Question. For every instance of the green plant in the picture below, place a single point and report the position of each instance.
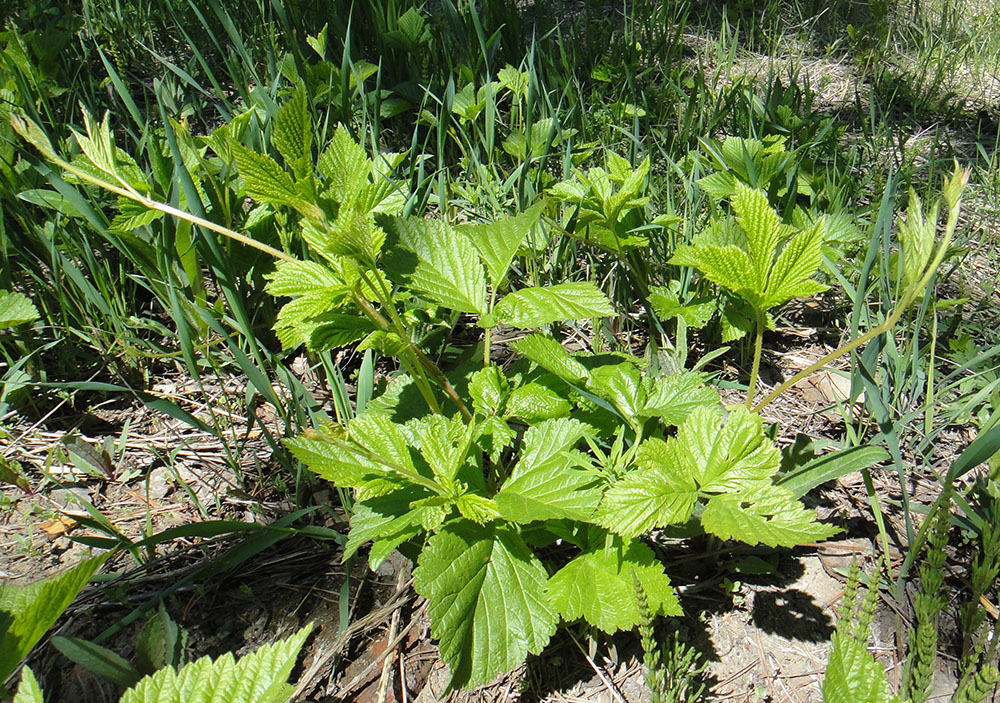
(518, 513)
(260, 677)
(27, 612)
(673, 667)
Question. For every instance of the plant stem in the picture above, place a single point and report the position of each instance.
(758, 348)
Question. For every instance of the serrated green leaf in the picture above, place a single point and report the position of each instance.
(916, 238)
(260, 677)
(132, 215)
(726, 454)
(799, 259)
(673, 398)
(263, 179)
(551, 356)
(495, 435)
(334, 330)
(439, 440)
(621, 385)
(292, 133)
(598, 585)
(477, 508)
(489, 389)
(536, 401)
(16, 309)
(345, 166)
(656, 494)
(534, 307)
(28, 690)
(487, 603)
(29, 611)
(387, 518)
(719, 185)
(498, 241)
(667, 305)
(438, 263)
(765, 514)
(853, 675)
(291, 278)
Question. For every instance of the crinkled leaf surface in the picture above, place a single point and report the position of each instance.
(726, 453)
(534, 307)
(487, 603)
(438, 263)
(767, 515)
(28, 690)
(292, 133)
(598, 586)
(260, 677)
(536, 401)
(621, 385)
(676, 396)
(853, 675)
(655, 494)
(550, 480)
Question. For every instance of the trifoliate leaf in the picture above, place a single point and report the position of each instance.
(265, 181)
(27, 612)
(551, 356)
(550, 481)
(437, 438)
(765, 514)
(598, 586)
(16, 309)
(439, 264)
(853, 675)
(658, 493)
(498, 241)
(674, 397)
(536, 401)
(487, 603)
(292, 133)
(799, 259)
(534, 307)
(260, 677)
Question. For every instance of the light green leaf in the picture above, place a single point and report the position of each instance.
(660, 492)
(534, 307)
(497, 242)
(487, 601)
(292, 133)
(446, 269)
(535, 401)
(28, 690)
(495, 435)
(853, 675)
(439, 440)
(551, 356)
(676, 396)
(799, 259)
(666, 302)
(265, 181)
(291, 278)
(477, 508)
(489, 389)
(764, 514)
(719, 185)
(550, 480)
(346, 168)
(16, 309)
(916, 238)
(726, 454)
(763, 229)
(621, 385)
(598, 586)
(27, 612)
(260, 677)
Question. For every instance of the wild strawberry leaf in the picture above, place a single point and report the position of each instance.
(598, 585)
(534, 307)
(487, 603)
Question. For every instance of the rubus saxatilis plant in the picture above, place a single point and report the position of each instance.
(525, 492)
